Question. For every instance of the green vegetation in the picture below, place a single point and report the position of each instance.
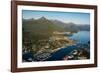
(37, 34)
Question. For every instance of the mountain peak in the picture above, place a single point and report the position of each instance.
(42, 18)
(71, 23)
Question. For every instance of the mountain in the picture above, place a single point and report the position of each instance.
(71, 26)
(59, 23)
(41, 25)
(43, 28)
(85, 27)
(42, 18)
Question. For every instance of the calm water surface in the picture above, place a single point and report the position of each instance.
(80, 37)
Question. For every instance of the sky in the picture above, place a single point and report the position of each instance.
(67, 17)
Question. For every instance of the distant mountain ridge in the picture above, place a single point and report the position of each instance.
(45, 24)
(43, 28)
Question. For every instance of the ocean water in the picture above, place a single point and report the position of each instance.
(80, 37)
